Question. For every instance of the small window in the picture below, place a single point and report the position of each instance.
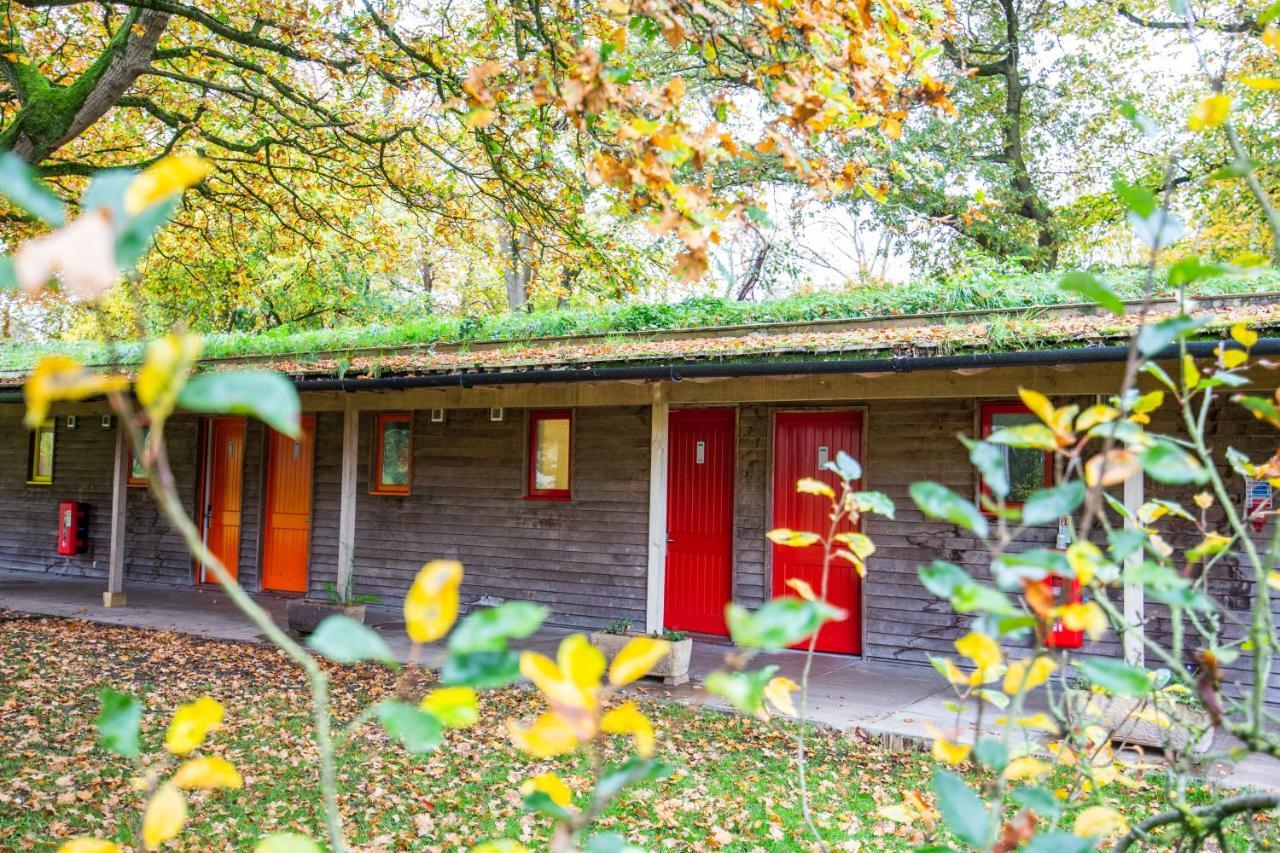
(41, 468)
(1029, 469)
(550, 454)
(137, 473)
(392, 454)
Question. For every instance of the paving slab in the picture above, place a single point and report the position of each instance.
(892, 702)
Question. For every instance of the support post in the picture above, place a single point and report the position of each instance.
(656, 586)
(114, 595)
(347, 511)
(1134, 604)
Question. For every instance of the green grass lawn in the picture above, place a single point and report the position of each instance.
(733, 788)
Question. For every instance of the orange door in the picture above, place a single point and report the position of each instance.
(287, 537)
(222, 490)
(803, 442)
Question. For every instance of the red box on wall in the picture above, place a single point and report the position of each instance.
(1065, 591)
(73, 528)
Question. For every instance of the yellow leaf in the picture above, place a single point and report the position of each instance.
(1233, 358)
(1084, 559)
(166, 177)
(1273, 580)
(57, 377)
(1096, 414)
(626, 719)
(1039, 721)
(802, 588)
(859, 543)
(1204, 500)
(500, 845)
(792, 538)
(479, 117)
(1149, 402)
(88, 845)
(431, 606)
(778, 691)
(164, 372)
(1026, 767)
(1087, 617)
(1271, 37)
(1243, 335)
(549, 736)
(551, 785)
(1027, 675)
(810, 486)
(1210, 113)
(1038, 404)
(1190, 373)
(581, 662)
(207, 773)
(1099, 821)
(1111, 469)
(454, 707)
(165, 815)
(1265, 84)
(191, 723)
(979, 648)
(636, 659)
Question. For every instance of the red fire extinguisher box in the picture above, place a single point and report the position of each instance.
(1065, 591)
(73, 528)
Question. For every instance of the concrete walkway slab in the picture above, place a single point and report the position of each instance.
(887, 701)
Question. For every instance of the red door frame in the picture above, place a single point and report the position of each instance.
(698, 578)
(845, 637)
(213, 482)
(292, 579)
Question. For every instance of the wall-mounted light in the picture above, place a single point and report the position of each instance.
(72, 420)
(108, 421)
(496, 414)
(437, 416)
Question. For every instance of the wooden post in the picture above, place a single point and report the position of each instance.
(656, 586)
(1134, 604)
(114, 595)
(347, 511)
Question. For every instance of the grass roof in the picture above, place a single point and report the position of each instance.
(949, 297)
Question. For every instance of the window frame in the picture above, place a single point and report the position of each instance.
(986, 410)
(376, 486)
(49, 425)
(532, 492)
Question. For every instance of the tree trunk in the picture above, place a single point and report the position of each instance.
(516, 272)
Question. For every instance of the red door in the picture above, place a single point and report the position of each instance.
(803, 442)
(222, 489)
(287, 527)
(699, 580)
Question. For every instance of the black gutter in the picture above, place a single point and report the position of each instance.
(725, 370)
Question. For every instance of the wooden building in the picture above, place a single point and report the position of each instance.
(631, 477)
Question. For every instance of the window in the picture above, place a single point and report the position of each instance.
(392, 454)
(41, 468)
(550, 449)
(137, 473)
(1029, 469)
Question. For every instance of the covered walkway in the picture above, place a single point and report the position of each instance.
(889, 702)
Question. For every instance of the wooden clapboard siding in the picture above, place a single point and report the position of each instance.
(750, 582)
(585, 558)
(153, 550)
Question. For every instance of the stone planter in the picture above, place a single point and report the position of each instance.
(305, 615)
(1117, 714)
(672, 669)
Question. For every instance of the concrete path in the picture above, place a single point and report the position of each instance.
(887, 701)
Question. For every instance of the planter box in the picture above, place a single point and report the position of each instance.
(672, 669)
(1114, 710)
(305, 615)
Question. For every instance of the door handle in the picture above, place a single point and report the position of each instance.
(670, 540)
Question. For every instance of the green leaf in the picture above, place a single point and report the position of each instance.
(481, 670)
(1059, 842)
(1013, 570)
(974, 597)
(345, 640)
(1153, 339)
(1125, 541)
(1039, 800)
(488, 630)
(134, 239)
(1115, 676)
(845, 467)
(18, 183)
(989, 459)
(962, 810)
(780, 622)
(287, 842)
(418, 731)
(942, 578)
(1032, 436)
(609, 842)
(1136, 199)
(1262, 408)
(541, 802)
(1167, 463)
(1048, 505)
(877, 502)
(119, 718)
(742, 690)
(937, 501)
(1135, 117)
(1191, 269)
(1093, 290)
(1159, 230)
(8, 276)
(992, 752)
(634, 771)
(266, 395)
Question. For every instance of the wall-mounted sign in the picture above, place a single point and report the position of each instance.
(1257, 502)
